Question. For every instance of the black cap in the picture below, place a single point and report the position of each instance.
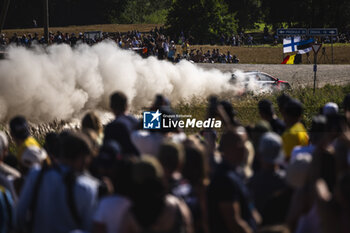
(19, 127)
(265, 106)
(293, 108)
(228, 109)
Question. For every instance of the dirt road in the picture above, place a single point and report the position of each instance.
(296, 75)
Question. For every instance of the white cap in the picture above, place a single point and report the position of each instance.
(33, 156)
(330, 108)
(298, 169)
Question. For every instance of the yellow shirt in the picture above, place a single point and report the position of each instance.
(294, 136)
(30, 141)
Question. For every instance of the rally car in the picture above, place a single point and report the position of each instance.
(259, 81)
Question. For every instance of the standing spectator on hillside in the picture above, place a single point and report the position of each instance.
(160, 47)
(229, 57)
(63, 198)
(235, 59)
(250, 40)
(166, 48)
(295, 133)
(3, 41)
(73, 39)
(185, 48)
(233, 40)
(172, 51)
(230, 205)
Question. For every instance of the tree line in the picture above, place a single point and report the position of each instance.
(196, 18)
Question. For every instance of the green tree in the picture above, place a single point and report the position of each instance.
(307, 13)
(247, 12)
(200, 20)
(145, 11)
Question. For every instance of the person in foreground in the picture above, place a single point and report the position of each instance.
(62, 198)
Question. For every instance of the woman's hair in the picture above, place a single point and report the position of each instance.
(195, 169)
(149, 191)
(92, 121)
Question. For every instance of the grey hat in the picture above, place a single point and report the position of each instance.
(270, 148)
(298, 169)
(330, 108)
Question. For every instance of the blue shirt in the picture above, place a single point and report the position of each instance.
(52, 213)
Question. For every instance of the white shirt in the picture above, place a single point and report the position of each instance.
(111, 211)
(147, 142)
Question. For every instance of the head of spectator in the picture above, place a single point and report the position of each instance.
(232, 146)
(19, 129)
(336, 126)
(109, 154)
(229, 111)
(196, 166)
(149, 191)
(292, 112)
(52, 146)
(256, 132)
(318, 129)
(119, 103)
(93, 122)
(266, 110)
(171, 157)
(76, 150)
(330, 108)
(160, 101)
(270, 150)
(281, 102)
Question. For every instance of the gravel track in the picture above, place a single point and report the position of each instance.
(296, 75)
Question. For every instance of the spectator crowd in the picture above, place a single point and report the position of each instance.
(154, 43)
(157, 43)
(274, 176)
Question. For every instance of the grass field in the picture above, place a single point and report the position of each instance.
(260, 54)
(246, 106)
(274, 55)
